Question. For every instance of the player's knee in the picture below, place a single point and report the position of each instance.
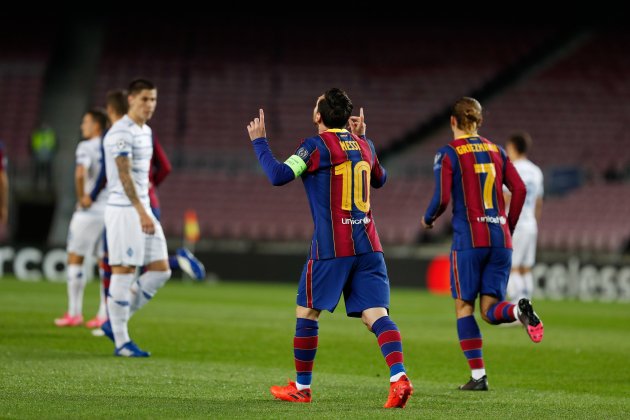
(484, 316)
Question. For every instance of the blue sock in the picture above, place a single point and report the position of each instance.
(173, 263)
(390, 342)
(501, 312)
(304, 349)
(470, 341)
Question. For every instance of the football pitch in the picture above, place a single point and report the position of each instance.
(218, 347)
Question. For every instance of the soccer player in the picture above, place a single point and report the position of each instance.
(87, 223)
(183, 259)
(473, 170)
(134, 236)
(521, 283)
(337, 168)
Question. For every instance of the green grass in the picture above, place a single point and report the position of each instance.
(218, 348)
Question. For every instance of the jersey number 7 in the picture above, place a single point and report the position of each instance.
(360, 184)
(488, 186)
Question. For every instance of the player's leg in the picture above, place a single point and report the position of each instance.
(367, 295)
(526, 268)
(465, 285)
(494, 309)
(516, 284)
(76, 285)
(78, 241)
(156, 269)
(125, 243)
(320, 288)
(101, 314)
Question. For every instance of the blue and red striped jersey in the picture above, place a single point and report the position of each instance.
(341, 167)
(473, 171)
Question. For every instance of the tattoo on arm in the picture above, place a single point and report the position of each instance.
(124, 172)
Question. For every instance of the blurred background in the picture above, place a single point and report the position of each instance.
(568, 86)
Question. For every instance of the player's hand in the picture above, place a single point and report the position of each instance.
(425, 225)
(146, 221)
(357, 124)
(256, 128)
(85, 202)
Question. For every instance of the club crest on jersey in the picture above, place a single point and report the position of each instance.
(437, 161)
(303, 153)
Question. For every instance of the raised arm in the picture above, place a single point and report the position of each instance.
(357, 125)
(278, 173)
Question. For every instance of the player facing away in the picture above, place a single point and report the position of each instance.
(521, 283)
(473, 170)
(134, 236)
(337, 168)
(87, 223)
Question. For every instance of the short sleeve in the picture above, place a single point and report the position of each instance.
(82, 156)
(121, 143)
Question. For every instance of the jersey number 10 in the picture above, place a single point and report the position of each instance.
(360, 184)
(488, 186)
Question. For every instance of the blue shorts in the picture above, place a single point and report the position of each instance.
(480, 271)
(362, 279)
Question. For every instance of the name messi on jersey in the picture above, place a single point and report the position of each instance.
(350, 145)
(476, 147)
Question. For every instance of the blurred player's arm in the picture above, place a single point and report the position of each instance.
(83, 162)
(518, 192)
(123, 163)
(4, 194)
(101, 180)
(159, 163)
(443, 172)
(278, 173)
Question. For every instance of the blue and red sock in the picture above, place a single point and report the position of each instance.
(501, 313)
(304, 349)
(471, 342)
(390, 342)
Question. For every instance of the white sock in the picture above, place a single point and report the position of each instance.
(478, 373)
(396, 376)
(300, 387)
(515, 287)
(515, 312)
(102, 307)
(118, 306)
(76, 285)
(147, 286)
(528, 285)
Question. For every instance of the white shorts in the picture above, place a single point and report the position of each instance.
(85, 234)
(127, 245)
(524, 248)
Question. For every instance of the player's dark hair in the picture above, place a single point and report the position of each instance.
(117, 99)
(521, 141)
(335, 108)
(100, 116)
(467, 112)
(138, 85)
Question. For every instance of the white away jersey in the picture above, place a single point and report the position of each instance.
(532, 177)
(89, 156)
(126, 138)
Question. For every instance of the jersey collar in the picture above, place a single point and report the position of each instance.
(336, 130)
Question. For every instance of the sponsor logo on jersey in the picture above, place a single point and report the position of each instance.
(350, 221)
(497, 220)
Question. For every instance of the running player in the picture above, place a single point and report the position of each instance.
(87, 224)
(337, 168)
(474, 170)
(134, 236)
(521, 283)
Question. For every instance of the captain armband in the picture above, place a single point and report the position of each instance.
(296, 164)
